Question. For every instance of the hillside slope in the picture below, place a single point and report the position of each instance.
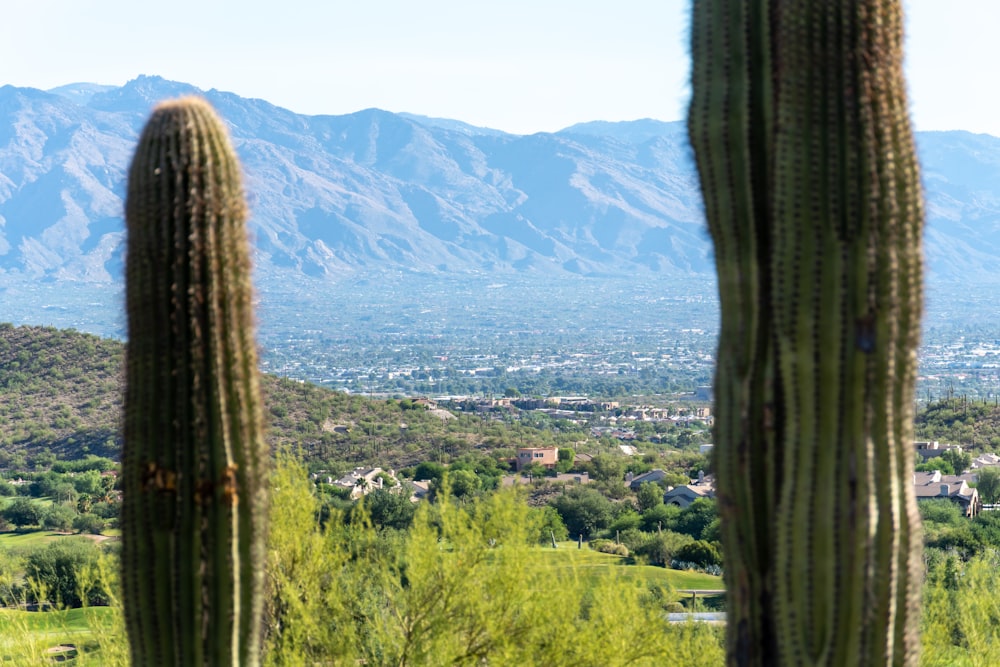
(973, 424)
(62, 390)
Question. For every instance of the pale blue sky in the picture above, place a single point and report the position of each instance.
(517, 65)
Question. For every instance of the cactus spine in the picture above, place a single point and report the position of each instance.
(799, 125)
(194, 504)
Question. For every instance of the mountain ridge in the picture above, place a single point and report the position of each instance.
(335, 196)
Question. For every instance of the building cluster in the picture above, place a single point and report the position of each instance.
(956, 488)
(362, 481)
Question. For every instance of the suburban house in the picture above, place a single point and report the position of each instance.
(931, 449)
(932, 485)
(685, 494)
(362, 481)
(547, 457)
(985, 461)
(418, 490)
(652, 476)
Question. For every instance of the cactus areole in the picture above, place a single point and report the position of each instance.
(800, 129)
(193, 506)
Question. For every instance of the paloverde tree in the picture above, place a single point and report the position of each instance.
(799, 124)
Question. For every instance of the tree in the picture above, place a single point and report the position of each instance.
(428, 471)
(89, 483)
(392, 510)
(937, 463)
(43, 459)
(465, 585)
(23, 512)
(363, 485)
(696, 517)
(550, 525)
(533, 470)
(660, 517)
(89, 523)
(567, 457)
(54, 571)
(798, 122)
(989, 485)
(960, 461)
(626, 519)
(662, 547)
(463, 483)
(649, 496)
(584, 511)
(49, 484)
(58, 517)
(700, 553)
(607, 468)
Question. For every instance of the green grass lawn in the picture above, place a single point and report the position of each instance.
(43, 501)
(68, 621)
(27, 636)
(32, 538)
(592, 564)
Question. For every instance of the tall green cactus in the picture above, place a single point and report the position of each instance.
(799, 125)
(194, 503)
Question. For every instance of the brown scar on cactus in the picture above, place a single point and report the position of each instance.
(155, 478)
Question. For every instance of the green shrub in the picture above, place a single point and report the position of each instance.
(22, 512)
(584, 510)
(627, 519)
(58, 517)
(550, 525)
(52, 573)
(696, 517)
(609, 547)
(388, 509)
(660, 517)
(660, 549)
(699, 553)
(650, 495)
(89, 523)
(635, 539)
(941, 511)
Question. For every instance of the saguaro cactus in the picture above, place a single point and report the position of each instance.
(799, 124)
(194, 503)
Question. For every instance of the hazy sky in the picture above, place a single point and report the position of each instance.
(516, 65)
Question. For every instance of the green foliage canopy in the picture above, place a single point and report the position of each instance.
(989, 484)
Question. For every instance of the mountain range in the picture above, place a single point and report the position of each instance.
(376, 191)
